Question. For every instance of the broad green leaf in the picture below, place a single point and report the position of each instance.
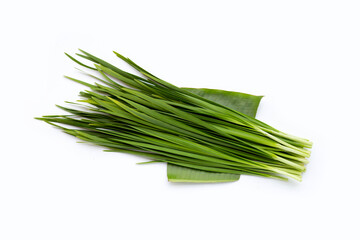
(241, 102)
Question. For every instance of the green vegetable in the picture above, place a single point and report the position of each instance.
(241, 102)
(164, 123)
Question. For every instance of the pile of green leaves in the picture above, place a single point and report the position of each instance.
(191, 129)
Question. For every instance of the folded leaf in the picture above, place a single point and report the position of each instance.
(242, 102)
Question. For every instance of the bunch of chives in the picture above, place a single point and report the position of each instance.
(150, 117)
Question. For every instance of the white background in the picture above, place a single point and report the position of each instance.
(304, 56)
